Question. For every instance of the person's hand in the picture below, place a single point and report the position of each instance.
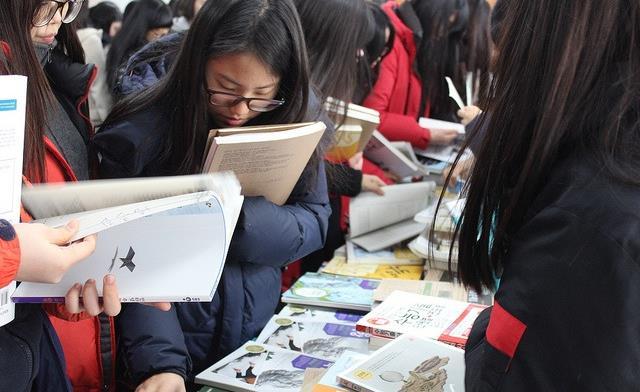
(460, 172)
(163, 382)
(90, 301)
(468, 113)
(371, 183)
(356, 161)
(443, 136)
(45, 253)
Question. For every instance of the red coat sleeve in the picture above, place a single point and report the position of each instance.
(394, 126)
(9, 261)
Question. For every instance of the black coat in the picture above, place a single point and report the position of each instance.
(567, 313)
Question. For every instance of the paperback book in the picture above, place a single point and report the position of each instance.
(339, 266)
(408, 364)
(322, 339)
(356, 115)
(260, 367)
(321, 314)
(329, 381)
(332, 291)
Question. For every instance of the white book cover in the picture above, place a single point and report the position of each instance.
(259, 367)
(408, 364)
(322, 339)
(399, 202)
(175, 254)
(430, 317)
(329, 380)
(321, 314)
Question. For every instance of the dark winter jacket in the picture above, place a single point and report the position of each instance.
(266, 238)
(566, 314)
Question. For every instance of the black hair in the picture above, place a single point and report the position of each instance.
(269, 29)
(183, 8)
(102, 16)
(439, 53)
(144, 16)
(477, 47)
(565, 85)
(335, 32)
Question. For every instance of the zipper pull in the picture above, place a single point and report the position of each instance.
(49, 54)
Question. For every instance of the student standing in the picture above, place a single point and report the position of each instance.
(552, 207)
(240, 63)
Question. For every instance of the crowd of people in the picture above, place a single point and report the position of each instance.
(551, 220)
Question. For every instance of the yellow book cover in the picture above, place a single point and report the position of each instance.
(339, 266)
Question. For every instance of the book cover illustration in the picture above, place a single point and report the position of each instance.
(259, 367)
(318, 338)
(409, 364)
(321, 314)
(332, 291)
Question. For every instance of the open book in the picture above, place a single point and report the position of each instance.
(377, 222)
(356, 115)
(164, 239)
(268, 160)
(383, 153)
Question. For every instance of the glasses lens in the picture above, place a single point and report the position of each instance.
(264, 105)
(44, 13)
(222, 99)
(70, 10)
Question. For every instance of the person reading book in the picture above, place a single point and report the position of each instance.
(240, 63)
(553, 200)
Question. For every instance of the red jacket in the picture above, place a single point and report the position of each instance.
(398, 90)
(88, 342)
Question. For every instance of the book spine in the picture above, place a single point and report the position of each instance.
(382, 333)
(352, 386)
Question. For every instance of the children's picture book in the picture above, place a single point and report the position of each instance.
(339, 266)
(380, 151)
(268, 160)
(321, 314)
(432, 317)
(408, 364)
(368, 119)
(399, 203)
(398, 254)
(333, 291)
(329, 381)
(260, 367)
(166, 249)
(322, 339)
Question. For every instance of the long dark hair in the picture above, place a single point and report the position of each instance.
(144, 16)
(439, 54)
(335, 31)
(102, 16)
(269, 29)
(550, 82)
(184, 8)
(477, 46)
(15, 30)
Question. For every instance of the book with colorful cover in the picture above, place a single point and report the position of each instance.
(259, 367)
(430, 317)
(329, 382)
(339, 266)
(321, 339)
(332, 291)
(409, 363)
(321, 314)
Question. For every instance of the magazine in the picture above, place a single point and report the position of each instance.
(321, 314)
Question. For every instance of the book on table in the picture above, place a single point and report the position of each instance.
(321, 314)
(268, 160)
(339, 266)
(409, 363)
(260, 367)
(165, 239)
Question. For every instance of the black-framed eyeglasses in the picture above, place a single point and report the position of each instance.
(262, 105)
(69, 10)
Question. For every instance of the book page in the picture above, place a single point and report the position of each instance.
(380, 151)
(49, 200)
(13, 98)
(389, 235)
(432, 123)
(173, 256)
(400, 202)
(267, 164)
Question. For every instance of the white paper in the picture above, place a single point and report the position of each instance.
(13, 97)
(469, 87)
(453, 93)
(432, 123)
(369, 211)
(178, 256)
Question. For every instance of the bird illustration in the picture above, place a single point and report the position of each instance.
(113, 261)
(128, 261)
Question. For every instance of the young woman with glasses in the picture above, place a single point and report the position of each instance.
(242, 62)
